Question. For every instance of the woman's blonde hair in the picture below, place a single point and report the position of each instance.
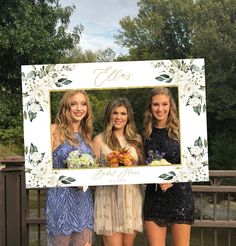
(130, 132)
(172, 120)
(64, 120)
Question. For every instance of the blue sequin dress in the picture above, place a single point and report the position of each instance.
(69, 211)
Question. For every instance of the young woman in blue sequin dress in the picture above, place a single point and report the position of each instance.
(69, 210)
(166, 204)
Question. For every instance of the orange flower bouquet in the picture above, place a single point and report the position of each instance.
(120, 157)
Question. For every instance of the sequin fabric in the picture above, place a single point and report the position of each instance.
(69, 211)
(176, 204)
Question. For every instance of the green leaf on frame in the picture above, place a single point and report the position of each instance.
(62, 177)
(168, 177)
(163, 176)
(31, 74)
(205, 163)
(172, 173)
(164, 78)
(25, 115)
(71, 179)
(66, 180)
(197, 109)
(26, 94)
(198, 142)
(62, 81)
(33, 149)
(50, 68)
(176, 63)
(184, 68)
(202, 88)
(204, 108)
(54, 75)
(195, 67)
(32, 115)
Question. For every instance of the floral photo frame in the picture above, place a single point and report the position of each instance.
(38, 81)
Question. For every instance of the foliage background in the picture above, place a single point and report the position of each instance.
(36, 32)
(138, 98)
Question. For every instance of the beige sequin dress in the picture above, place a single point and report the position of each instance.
(118, 208)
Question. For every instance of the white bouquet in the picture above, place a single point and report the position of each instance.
(77, 160)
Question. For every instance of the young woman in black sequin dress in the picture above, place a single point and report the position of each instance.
(166, 204)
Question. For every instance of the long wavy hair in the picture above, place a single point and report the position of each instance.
(130, 132)
(64, 121)
(172, 120)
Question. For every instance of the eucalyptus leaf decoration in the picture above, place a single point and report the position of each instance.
(37, 82)
(33, 149)
(38, 169)
(168, 176)
(63, 81)
(165, 78)
(192, 81)
(66, 180)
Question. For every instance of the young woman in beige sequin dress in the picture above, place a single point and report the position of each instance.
(118, 208)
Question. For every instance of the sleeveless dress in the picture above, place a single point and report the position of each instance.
(118, 208)
(176, 205)
(69, 211)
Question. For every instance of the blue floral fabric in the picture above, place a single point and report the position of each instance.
(68, 209)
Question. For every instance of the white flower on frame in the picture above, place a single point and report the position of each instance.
(51, 181)
(39, 93)
(34, 107)
(180, 76)
(195, 151)
(194, 101)
(47, 81)
(41, 170)
(36, 157)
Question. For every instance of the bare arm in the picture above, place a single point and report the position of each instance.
(97, 142)
(55, 139)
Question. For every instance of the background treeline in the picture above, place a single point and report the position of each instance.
(138, 98)
(35, 32)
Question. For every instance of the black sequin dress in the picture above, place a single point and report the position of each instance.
(176, 205)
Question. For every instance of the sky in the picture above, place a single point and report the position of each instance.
(100, 19)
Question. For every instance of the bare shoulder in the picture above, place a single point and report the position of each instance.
(97, 143)
(54, 129)
(55, 136)
(97, 139)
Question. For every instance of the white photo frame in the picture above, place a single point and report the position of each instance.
(39, 80)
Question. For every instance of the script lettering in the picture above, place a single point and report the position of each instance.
(109, 74)
(104, 173)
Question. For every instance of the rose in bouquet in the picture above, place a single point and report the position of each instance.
(80, 160)
(120, 157)
(156, 158)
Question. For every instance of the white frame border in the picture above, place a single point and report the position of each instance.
(187, 74)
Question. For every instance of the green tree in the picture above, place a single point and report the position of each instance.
(161, 30)
(181, 29)
(31, 32)
(107, 55)
(77, 55)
